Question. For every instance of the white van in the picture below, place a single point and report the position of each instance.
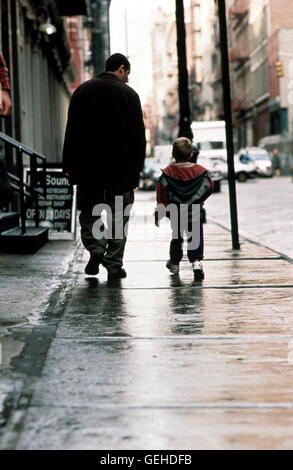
(210, 138)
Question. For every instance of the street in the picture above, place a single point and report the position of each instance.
(154, 361)
(265, 211)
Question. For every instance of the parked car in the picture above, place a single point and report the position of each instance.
(243, 171)
(259, 158)
(215, 172)
(150, 175)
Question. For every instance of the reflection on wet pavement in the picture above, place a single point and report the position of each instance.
(157, 361)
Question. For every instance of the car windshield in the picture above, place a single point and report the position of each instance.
(259, 156)
(211, 145)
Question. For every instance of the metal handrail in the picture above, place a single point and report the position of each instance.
(33, 191)
(30, 189)
(19, 145)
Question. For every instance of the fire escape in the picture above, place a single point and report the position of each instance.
(238, 10)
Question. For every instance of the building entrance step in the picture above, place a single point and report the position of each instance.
(13, 241)
(8, 220)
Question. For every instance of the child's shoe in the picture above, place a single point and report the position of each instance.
(173, 268)
(198, 271)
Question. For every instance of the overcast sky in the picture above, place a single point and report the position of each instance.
(131, 19)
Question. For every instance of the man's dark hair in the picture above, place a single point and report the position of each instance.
(115, 61)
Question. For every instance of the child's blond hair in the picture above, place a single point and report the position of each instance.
(182, 149)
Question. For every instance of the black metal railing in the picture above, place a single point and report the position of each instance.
(36, 185)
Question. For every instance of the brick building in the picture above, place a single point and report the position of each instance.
(260, 37)
(80, 40)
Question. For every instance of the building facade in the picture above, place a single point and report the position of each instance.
(199, 22)
(261, 67)
(42, 68)
(164, 69)
(79, 35)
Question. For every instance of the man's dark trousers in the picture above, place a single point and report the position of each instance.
(110, 242)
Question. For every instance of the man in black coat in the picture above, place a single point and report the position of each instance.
(103, 153)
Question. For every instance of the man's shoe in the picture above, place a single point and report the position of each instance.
(198, 271)
(117, 274)
(92, 268)
(173, 268)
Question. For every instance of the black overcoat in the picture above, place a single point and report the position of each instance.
(104, 145)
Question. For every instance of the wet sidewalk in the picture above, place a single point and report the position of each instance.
(159, 362)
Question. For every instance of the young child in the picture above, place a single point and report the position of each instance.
(185, 183)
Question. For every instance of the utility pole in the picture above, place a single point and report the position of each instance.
(100, 34)
(229, 125)
(184, 120)
(126, 31)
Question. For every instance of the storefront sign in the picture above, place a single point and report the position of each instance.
(58, 210)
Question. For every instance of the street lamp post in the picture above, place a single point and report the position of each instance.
(184, 120)
(229, 126)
